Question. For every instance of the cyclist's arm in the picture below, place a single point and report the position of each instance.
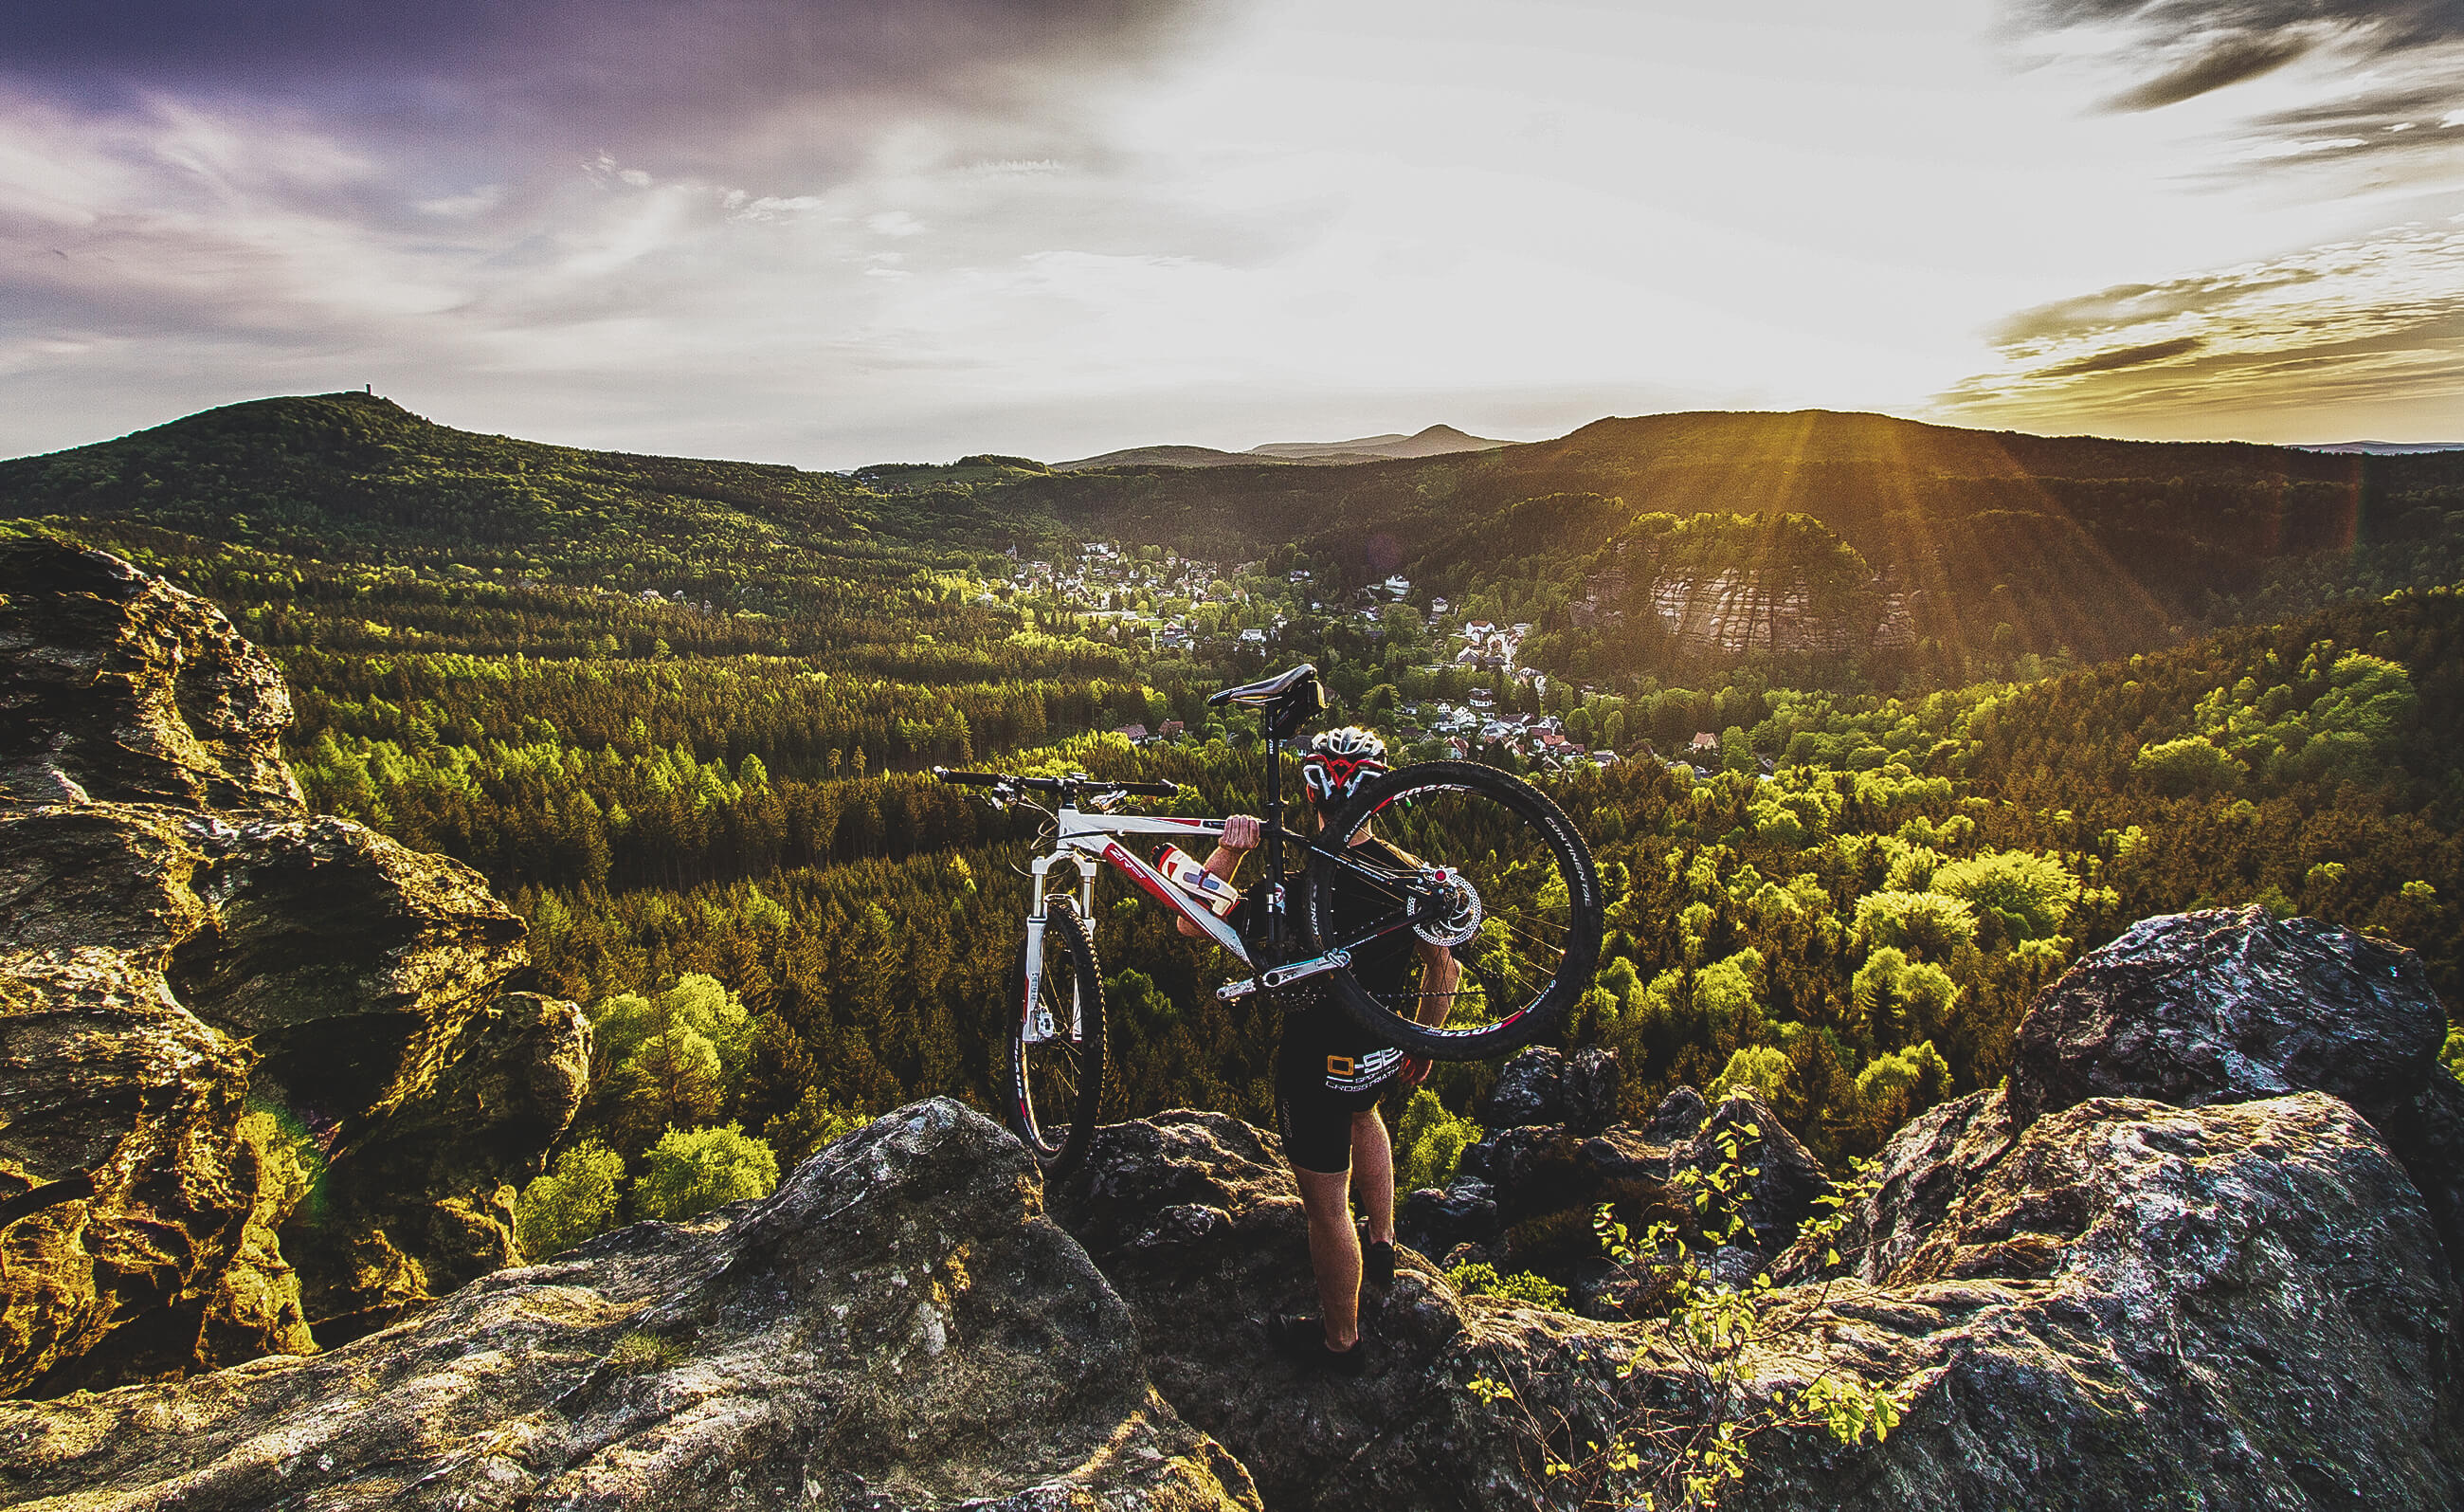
(1241, 828)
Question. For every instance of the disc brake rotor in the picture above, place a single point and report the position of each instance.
(1453, 911)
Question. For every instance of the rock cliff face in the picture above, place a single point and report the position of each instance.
(214, 1004)
(899, 1325)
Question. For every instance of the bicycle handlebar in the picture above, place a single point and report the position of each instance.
(970, 779)
(1063, 786)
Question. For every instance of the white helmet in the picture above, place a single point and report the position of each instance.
(1339, 761)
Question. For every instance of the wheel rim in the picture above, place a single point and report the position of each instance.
(1051, 1072)
(1512, 862)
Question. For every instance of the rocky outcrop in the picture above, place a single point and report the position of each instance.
(898, 1326)
(2119, 1303)
(115, 686)
(2138, 1305)
(2222, 1006)
(212, 1002)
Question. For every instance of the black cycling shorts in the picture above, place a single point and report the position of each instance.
(1321, 1081)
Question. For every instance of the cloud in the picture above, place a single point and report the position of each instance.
(668, 83)
(2230, 61)
(2126, 357)
(2406, 56)
(2274, 349)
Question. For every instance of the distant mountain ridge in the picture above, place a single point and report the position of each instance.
(2387, 448)
(1438, 440)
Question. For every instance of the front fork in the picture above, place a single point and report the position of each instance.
(1038, 1025)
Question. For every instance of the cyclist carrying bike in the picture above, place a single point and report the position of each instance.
(1330, 1072)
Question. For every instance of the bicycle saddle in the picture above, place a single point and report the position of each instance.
(1270, 691)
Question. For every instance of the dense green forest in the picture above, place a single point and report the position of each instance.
(678, 712)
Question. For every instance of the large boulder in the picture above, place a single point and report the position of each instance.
(898, 1326)
(209, 999)
(424, 1201)
(2141, 1306)
(2223, 1006)
(2227, 1006)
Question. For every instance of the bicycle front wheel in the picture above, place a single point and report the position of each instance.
(1056, 1045)
(1493, 888)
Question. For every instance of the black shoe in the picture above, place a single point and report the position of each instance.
(1377, 1264)
(1302, 1339)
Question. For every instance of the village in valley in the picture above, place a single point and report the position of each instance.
(1444, 680)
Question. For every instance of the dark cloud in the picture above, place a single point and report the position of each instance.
(676, 77)
(2126, 357)
(2232, 59)
(2410, 51)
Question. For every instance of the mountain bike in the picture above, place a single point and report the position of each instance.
(1491, 871)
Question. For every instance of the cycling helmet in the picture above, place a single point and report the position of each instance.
(1339, 761)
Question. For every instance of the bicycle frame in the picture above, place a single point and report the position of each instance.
(1092, 840)
(1089, 840)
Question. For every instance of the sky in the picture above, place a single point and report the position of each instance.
(838, 232)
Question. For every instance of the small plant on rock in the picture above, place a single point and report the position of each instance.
(1708, 1347)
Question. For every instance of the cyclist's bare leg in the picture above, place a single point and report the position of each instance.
(1373, 1174)
(1335, 1252)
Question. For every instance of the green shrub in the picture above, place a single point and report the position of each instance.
(1429, 1141)
(691, 1171)
(574, 1200)
(1759, 1068)
(1481, 1280)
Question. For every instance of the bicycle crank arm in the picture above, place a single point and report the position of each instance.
(1234, 992)
(1315, 966)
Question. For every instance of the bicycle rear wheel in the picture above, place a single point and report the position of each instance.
(1056, 1045)
(1495, 876)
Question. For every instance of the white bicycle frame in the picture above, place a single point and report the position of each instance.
(1089, 839)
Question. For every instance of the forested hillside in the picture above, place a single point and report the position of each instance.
(678, 713)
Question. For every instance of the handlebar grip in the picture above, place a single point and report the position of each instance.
(1148, 789)
(969, 779)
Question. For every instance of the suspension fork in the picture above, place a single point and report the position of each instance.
(1037, 1025)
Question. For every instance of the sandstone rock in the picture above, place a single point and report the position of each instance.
(1406, 1435)
(1592, 1084)
(2227, 1006)
(115, 685)
(434, 1182)
(2143, 1305)
(2137, 1305)
(1531, 1089)
(167, 967)
(1679, 1117)
(1929, 1164)
(125, 1109)
(1784, 1179)
(898, 1326)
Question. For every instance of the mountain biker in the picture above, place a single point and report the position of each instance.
(1330, 1073)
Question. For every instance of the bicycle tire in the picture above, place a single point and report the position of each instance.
(1057, 1082)
(1521, 875)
